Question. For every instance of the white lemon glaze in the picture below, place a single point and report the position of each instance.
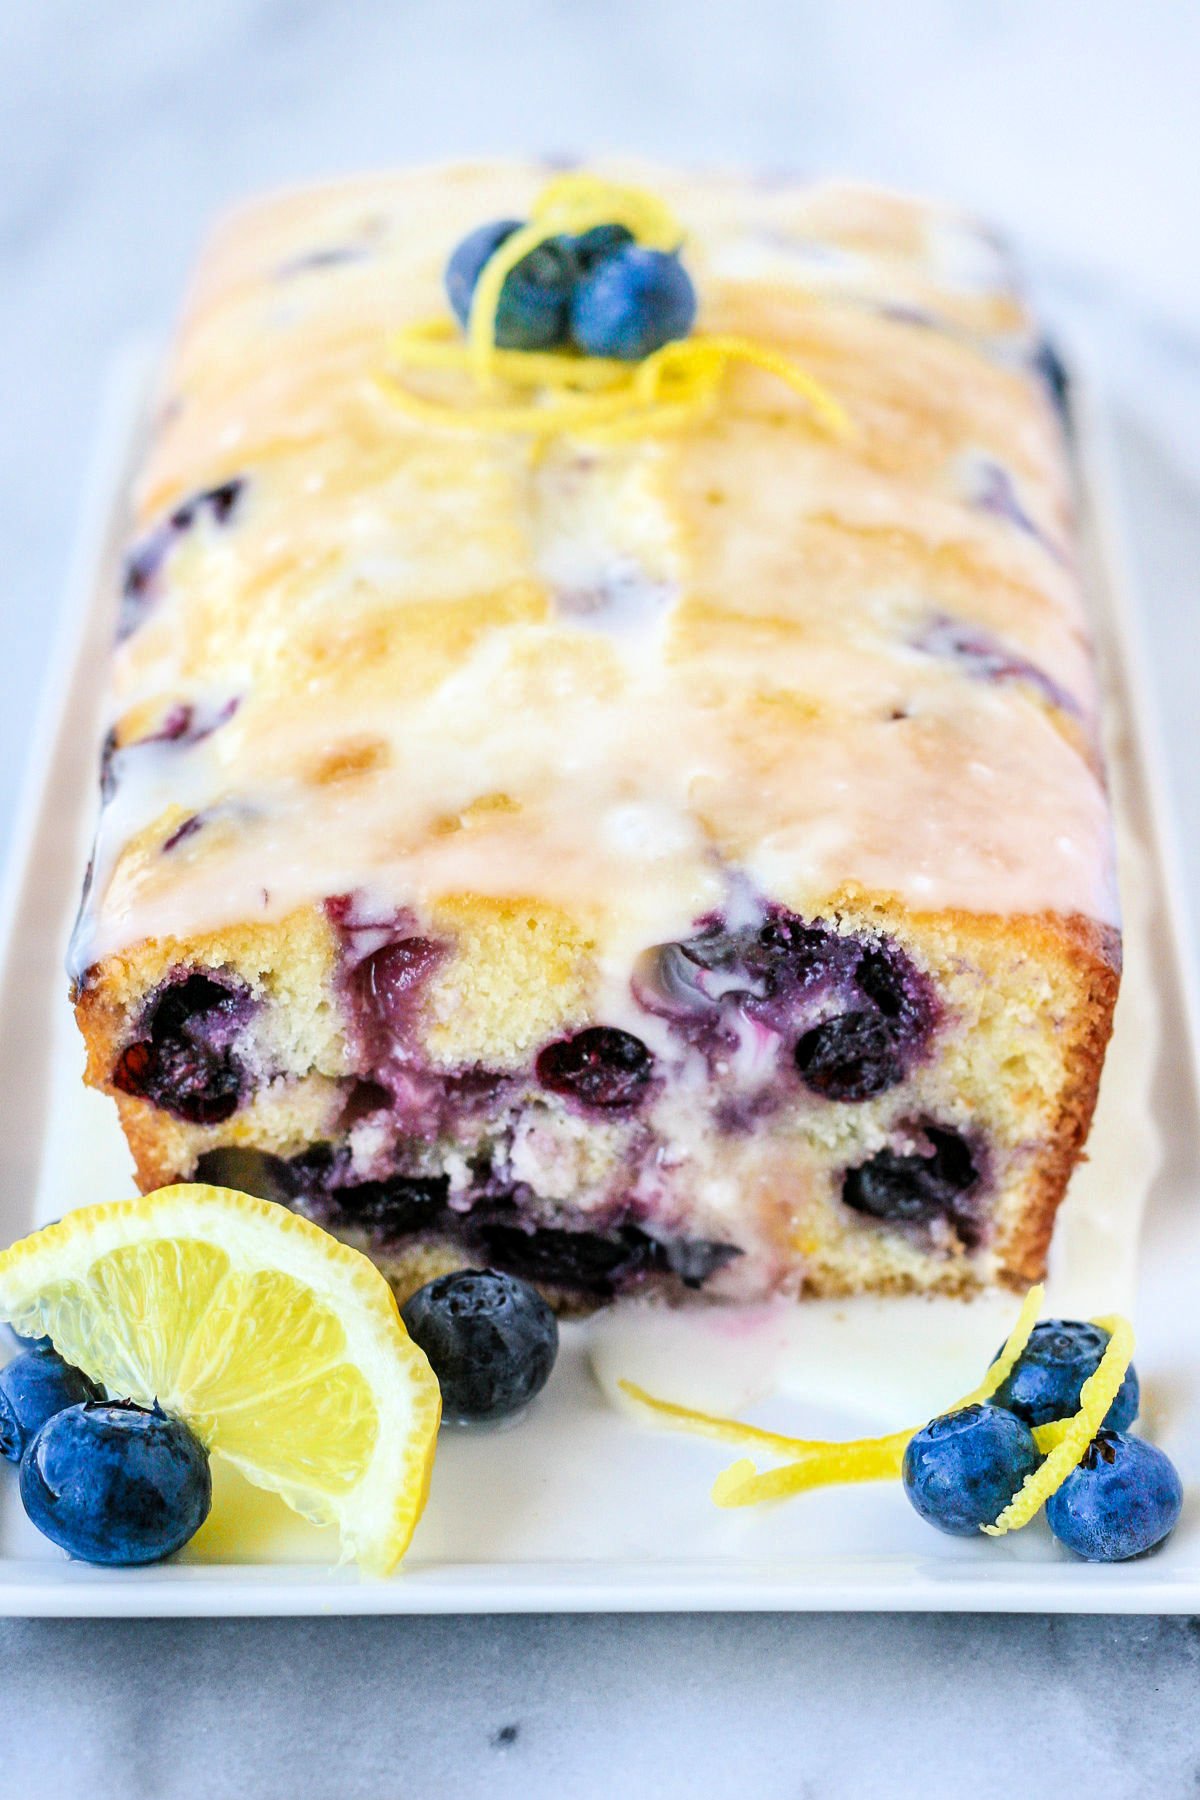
(663, 660)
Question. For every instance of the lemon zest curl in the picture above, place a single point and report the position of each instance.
(1095, 1397)
(563, 391)
(595, 396)
(814, 1462)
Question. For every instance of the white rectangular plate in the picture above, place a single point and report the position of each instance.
(578, 1507)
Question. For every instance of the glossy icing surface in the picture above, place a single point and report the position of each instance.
(364, 654)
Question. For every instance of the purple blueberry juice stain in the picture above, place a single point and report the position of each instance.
(312, 262)
(140, 580)
(993, 490)
(986, 658)
(184, 724)
(623, 598)
(189, 722)
(385, 965)
(109, 751)
(146, 561)
(186, 1057)
(919, 316)
(181, 833)
(853, 1011)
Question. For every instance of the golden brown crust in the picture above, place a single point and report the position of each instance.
(1095, 952)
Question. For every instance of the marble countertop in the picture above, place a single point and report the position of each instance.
(123, 131)
(809, 1707)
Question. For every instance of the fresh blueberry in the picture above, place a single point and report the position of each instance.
(111, 1482)
(593, 247)
(532, 313)
(490, 1339)
(598, 1067)
(915, 1189)
(852, 1056)
(33, 1387)
(21, 1342)
(184, 1060)
(467, 263)
(631, 304)
(961, 1471)
(1050, 1371)
(1123, 1499)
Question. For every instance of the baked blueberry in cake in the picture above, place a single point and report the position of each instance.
(673, 858)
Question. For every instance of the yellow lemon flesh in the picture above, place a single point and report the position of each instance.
(281, 1348)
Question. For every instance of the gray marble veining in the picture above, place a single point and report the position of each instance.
(659, 1708)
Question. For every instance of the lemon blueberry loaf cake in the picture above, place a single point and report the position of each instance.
(629, 817)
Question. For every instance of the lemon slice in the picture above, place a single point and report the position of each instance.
(282, 1348)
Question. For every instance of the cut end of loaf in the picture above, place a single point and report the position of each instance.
(866, 1101)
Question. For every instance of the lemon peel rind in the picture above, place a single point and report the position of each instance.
(812, 1462)
(1047, 1436)
(825, 1464)
(1013, 1347)
(818, 1462)
(1096, 1396)
(579, 201)
(375, 1530)
(606, 399)
(668, 390)
(702, 1424)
